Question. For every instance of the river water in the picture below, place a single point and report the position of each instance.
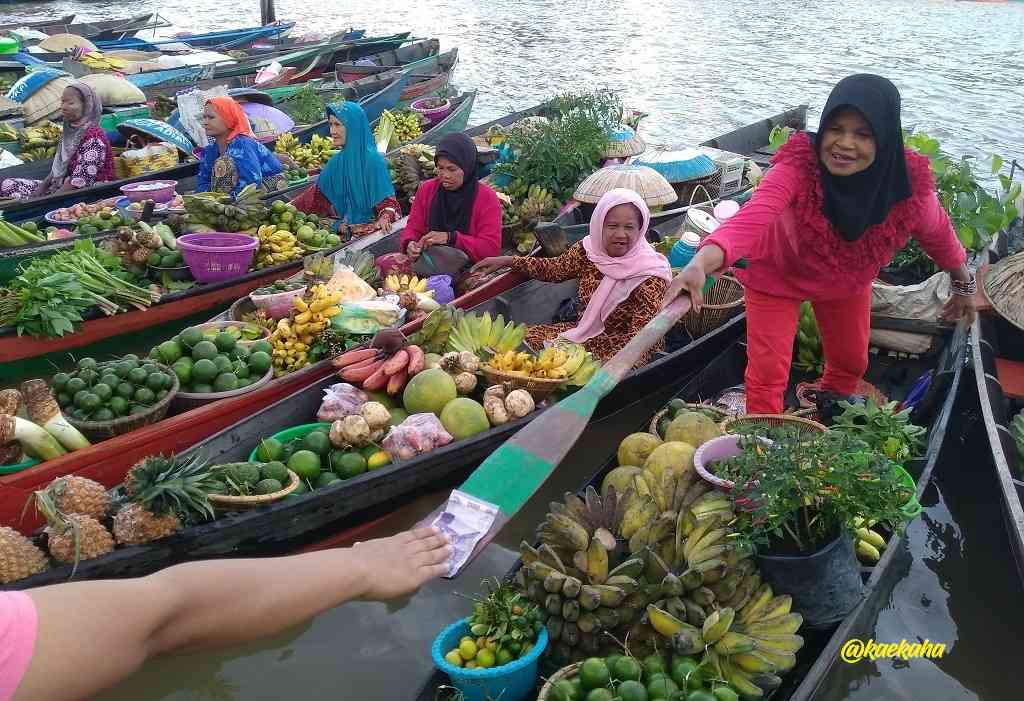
(700, 68)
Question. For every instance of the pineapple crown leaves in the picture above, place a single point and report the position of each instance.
(172, 484)
(59, 522)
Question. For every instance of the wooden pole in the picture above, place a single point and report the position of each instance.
(267, 13)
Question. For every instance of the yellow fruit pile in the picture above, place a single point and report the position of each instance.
(275, 246)
(293, 337)
(40, 142)
(569, 361)
(310, 156)
(98, 61)
(405, 283)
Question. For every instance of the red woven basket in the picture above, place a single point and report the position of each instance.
(217, 256)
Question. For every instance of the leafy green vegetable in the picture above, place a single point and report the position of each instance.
(305, 106)
(882, 427)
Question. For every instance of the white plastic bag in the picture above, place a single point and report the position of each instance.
(341, 400)
(418, 434)
(190, 110)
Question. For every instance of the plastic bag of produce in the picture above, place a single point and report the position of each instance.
(443, 287)
(341, 400)
(418, 434)
(394, 263)
(149, 159)
(367, 317)
(352, 287)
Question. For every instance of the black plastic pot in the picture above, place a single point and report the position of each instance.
(825, 586)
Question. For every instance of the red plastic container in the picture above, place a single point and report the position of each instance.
(217, 256)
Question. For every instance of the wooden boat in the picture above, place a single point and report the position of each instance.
(510, 295)
(996, 358)
(223, 39)
(110, 29)
(39, 24)
(347, 71)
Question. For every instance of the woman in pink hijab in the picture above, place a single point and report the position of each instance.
(621, 277)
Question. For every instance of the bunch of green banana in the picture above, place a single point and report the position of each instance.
(435, 330)
(538, 203)
(484, 336)
(8, 132)
(218, 210)
(869, 542)
(810, 356)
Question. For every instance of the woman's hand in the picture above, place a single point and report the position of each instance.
(490, 265)
(414, 249)
(689, 281)
(959, 307)
(434, 238)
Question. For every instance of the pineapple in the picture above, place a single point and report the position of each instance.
(164, 492)
(19, 557)
(72, 537)
(80, 495)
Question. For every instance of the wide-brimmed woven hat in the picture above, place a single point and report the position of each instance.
(646, 182)
(624, 142)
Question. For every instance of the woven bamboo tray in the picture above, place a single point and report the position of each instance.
(226, 502)
(803, 426)
(538, 387)
(97, 431)
(720, 415)
(721, 303)
(564, 673)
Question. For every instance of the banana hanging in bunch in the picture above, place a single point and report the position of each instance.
(39, 142)
(482, 335)
(810, 355)
(293, 337)
(276, 246)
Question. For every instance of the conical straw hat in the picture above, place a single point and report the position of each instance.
(644, 181)
(623, 143)
(59, 43)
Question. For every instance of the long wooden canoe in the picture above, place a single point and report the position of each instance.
(39, 24)
(347, 71)
(996, 358)
(223, 39)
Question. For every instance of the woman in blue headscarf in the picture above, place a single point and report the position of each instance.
(354, 187)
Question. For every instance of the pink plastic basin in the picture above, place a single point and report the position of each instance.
(160, 191)
(217, 256)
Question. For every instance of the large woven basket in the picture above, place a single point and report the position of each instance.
(801, 425)
(227, 502)
(97, 431)
(549, 684)
(538, 387)
(721, 303)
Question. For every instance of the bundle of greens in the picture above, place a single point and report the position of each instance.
(53, 293)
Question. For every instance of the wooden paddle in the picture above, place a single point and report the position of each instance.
(511, 474)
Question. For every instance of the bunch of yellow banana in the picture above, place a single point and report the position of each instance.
(39, 142)
(480, 334)
(309, 156)
(8, 132)
(405, 283)
(514, 363)
(98, 61)
(293, 337)
(405, 122)
(276, 246)
(538, 203)
(870, 543)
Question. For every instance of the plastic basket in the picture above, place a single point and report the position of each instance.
(432, 114)
(912, 509)
(217, 256)
(290, 434)
(18, 467)
(514, 681)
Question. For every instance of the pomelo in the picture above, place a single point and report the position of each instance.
(673, 455)
(463, 417)
(430, 391)
(693, 428)
(636, 447)
(621, 478)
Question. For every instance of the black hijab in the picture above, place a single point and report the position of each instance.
(854, 203)
(451, 211)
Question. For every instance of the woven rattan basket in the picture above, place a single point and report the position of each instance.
(539, 388)
(714, 413)
(225, 502)
(722, 303)
(803, 426)
(97, 431)
(549, 684)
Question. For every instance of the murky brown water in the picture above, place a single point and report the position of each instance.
(700, 68)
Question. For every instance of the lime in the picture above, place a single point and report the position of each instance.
(88, 376)
(87, 364)
(240, 369)
(119, 405)
(700, 695)
(268, 486)
(190, 337)
(632, 690)
(183, 369)
(131, 358)
(110, 378)
(348, 464)
(204, 350)
(161, 394)
(563, 690)
(611, 661)
(224, 341)
(398, 415)
(88, 402)
(223, 363)
(661, 687)
(123, 368)
(104, 392)
(157, 381)
(453, 658)
(125, 389)
(137, 376)
(485, 658)
(240, 353)
(204, 371)
(653, 664)
(261, 347)
(103, 414)
(75, 385)
(150, 368)
(368, 451)
(686, 675)
(378, 460)
(305, 464)
(259, 362)
(144, 395)
(303, 488)
(317, 442)
(60, 380)
(63, 399)
(724, 693)
(594, 673)
(225, 382)
(600, 695)
(326, 478)
(467, 648)
(503, 657)
(169, 351)
(269, 450)
(274, 470)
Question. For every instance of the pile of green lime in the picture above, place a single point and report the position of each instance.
(308, 228)
(214, 360)
(250, 478)
(110, 390)
(656, 678)
(317, 462)
(164, 257)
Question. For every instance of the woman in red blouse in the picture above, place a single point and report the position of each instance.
(833, 209)
(455, 208)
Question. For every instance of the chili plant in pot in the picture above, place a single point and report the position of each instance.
(797, 498)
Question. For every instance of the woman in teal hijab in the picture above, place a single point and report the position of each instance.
(354, 187)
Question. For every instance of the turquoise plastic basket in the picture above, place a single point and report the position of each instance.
(23, 465)
(290, 434)
(514, 681)
(912, 508)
